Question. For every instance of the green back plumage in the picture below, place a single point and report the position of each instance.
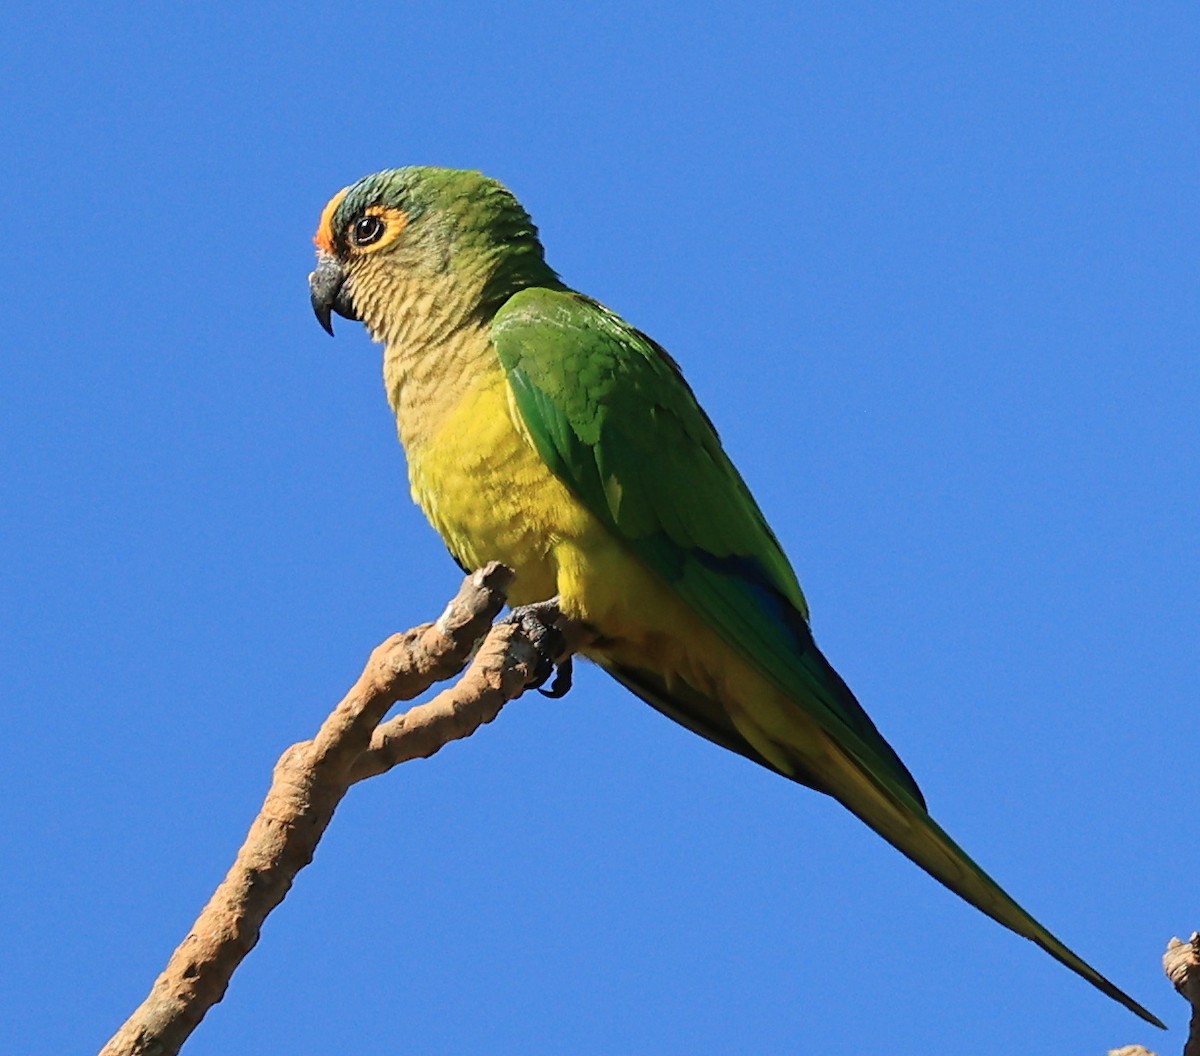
(613, 417)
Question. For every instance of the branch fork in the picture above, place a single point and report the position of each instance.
(354, 743)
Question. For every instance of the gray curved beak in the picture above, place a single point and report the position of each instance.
(327, 288)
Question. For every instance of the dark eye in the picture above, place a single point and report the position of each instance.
(367, 230)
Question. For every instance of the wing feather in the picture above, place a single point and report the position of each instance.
(612, 416)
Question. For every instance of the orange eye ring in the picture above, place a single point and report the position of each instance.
(367, 230)
(378, 226)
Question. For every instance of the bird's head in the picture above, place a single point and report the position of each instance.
(422, 239)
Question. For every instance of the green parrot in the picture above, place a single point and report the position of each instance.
(545, 432)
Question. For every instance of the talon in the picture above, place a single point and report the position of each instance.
(561, 685)
(537, 622)
(542, 673)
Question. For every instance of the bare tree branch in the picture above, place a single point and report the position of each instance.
(311, 778)
(1181, 962)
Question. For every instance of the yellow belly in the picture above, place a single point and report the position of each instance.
(492, 498)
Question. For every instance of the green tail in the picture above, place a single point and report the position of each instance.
(923, 841)
(892, 812)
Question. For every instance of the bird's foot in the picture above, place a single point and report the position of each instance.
(539, 622)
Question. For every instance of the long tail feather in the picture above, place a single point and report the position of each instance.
(910, 829)
(812, 757)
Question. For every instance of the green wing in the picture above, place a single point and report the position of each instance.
(612, 416)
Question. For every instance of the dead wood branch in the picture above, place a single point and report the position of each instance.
(311, 778)
(1181, 962)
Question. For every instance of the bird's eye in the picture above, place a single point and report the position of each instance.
(367, 230)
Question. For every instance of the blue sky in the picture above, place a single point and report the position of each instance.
(931, 268)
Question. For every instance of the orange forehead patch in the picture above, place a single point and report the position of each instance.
(324, 236)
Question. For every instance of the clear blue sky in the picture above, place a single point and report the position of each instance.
(933, 270)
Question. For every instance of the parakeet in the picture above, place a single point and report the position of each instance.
(545, 432)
